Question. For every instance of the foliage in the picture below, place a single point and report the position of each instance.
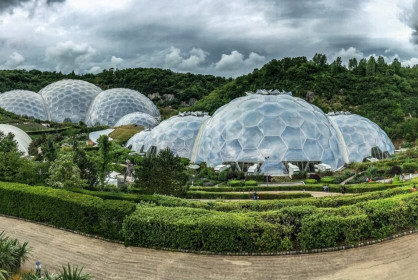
(235, 183)
(65, 273)
(12, 255)
(395, 170)
(310, 181)
(123, 133)
(251, 183)
(243, 195)
(64, 173)
(327, 180)
(410, 167)
(300, 176)
(65, 209)
(369, 88)
(88, 169)
(162, 174)
(105, 158)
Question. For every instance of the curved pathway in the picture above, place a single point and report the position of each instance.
(395, 259)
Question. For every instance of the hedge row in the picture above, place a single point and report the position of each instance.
(237, 183)
(65, 209)
(303, 227)
(243, 195)
(259, 205)
(358, 188)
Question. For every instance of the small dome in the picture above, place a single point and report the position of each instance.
(111, 105)
(24, 103)
(69, 99)
(178, 133)
(363, 138)
(137, 118)
(136, 142)
(23, 140)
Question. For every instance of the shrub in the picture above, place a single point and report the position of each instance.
(235, 183)
(65, 209)
(395, 170)
(251, 183)
(410, 167)
(300, 175)
(315, 176)
(243, 195)
(310, 181)
(327, 180)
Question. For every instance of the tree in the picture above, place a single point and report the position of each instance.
(320, 59)
(352, 63)
(162, 174)
(371, 67)
(64, 173)
(49, 149)
(88, 170)
(105, 157)
(10, 157)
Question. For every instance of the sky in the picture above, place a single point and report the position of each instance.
(226, 38)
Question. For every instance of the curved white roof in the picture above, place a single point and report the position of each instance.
(24, 103)
(110, 105)
(69, 99)
(23, 140)
(137, 118)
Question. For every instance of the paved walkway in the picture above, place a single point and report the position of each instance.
(395, 259)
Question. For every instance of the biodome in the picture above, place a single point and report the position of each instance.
(24, 103)
(111, 105)
(69, 100)
(271, 129)
(23, 140)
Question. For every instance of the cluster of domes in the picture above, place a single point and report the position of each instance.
(271, 128)
(76, 100)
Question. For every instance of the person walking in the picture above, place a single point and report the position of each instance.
(343, 189)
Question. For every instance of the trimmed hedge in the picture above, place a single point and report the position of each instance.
(303, 227)
(243, 195)
(327, 180)
(65, 209)
(251, 183)
(310, 181)
(235, 183)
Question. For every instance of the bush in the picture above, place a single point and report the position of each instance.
(300, 176)
(235, 183)
(410, 167)
(395, 170)
(251, 183)
(243, 195)
(65, 209)
(315, 176)
(327, 180)
(310, 181)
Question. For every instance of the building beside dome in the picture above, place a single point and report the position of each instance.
(139, 119)
(23, 140)
(69, 100)
(111, 105)
(24, 103)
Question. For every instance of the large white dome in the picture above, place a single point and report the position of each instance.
(23, 140)
(24, 103)
(110, 105)
(69, 99)
(280, 128)
(136, 142)
(363, 138)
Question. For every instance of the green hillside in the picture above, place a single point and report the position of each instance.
(385, 93)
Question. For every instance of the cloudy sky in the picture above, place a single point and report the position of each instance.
(218, 37)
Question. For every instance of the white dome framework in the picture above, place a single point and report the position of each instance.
(270, 129)
(23, 140)
(24, 103)
(139, 119)
(111, 105)
(69, 100)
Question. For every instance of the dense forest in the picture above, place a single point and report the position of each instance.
(387, 93)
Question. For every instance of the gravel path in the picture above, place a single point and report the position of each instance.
(395, 259)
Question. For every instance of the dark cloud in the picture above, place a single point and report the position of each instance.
(6, 5)
(413, 23)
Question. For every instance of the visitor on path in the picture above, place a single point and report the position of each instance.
(129, 169)
(343, 190)
(325, 188)
(255, 196)
(414, 189)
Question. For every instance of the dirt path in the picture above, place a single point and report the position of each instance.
(395, 259)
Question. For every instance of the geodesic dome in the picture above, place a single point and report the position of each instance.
(137, 118)
(273, 129)
(178, 133)
(112, 104)
(24, 103)
(23, 140)
(69, 99)
(136, 142)
(363, 138)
